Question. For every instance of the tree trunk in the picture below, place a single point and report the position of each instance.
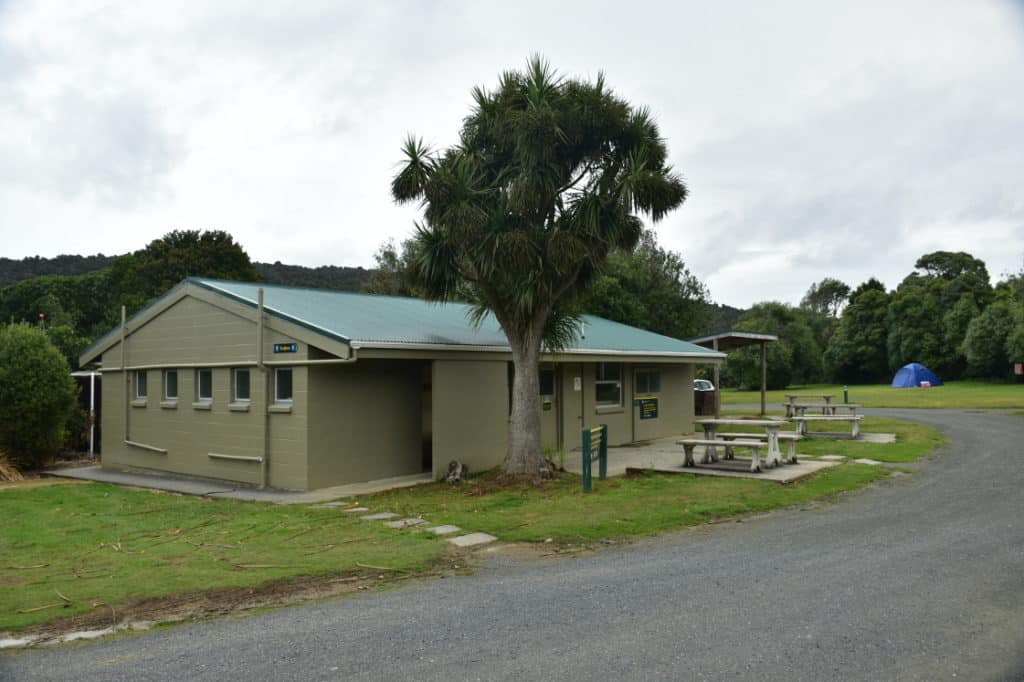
(524, 456)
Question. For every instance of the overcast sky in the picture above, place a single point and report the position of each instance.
(818, 139)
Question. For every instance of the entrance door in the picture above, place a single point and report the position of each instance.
(646, 403)
(549, 409)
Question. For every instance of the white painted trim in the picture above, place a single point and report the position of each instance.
(398, 345)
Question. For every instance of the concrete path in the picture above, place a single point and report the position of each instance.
(917, 579)
(188, 485)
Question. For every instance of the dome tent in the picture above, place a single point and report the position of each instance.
(911, 376)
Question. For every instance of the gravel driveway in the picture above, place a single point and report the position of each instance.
(920, 578)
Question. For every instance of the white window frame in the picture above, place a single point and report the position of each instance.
(167, 395)
(199, 385)
(598, 381)
(144, 385)
(234, 385)
(277, 398)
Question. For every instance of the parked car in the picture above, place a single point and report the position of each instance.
(703, 385)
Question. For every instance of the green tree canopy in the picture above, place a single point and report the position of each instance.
(164, 262)
(37, 394)
(650, 288)
(856, 353)
(550, 175)
(826, 297)
(794, 359)
(985, 344)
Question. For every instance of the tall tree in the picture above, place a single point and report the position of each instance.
(392, 276)
(856, 353)
(549, 176)
(164, 262)
(826, 297)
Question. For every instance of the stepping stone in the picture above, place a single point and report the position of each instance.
(405, 523)
(353, 510)
(865, 460)
(472, 539)
(832, 458)
(327, 505)
(382, 516)
(878, 437)
(444, 530)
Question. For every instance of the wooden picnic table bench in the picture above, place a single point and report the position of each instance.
(853, 419)
(789, 438)
(754, 445)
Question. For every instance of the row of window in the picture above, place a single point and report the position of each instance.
(608, 383)
(241, 385)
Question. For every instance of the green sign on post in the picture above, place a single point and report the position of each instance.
(595, 445)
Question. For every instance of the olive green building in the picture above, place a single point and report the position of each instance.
(303, 389)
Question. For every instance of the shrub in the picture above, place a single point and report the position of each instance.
(37, 395)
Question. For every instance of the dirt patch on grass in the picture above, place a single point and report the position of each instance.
(229, 601)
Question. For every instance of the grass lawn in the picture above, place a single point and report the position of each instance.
(72, 548)
(97, 544)
(955, 394)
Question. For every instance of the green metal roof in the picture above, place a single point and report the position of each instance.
(372, 320)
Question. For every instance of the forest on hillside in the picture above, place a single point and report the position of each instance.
(945, 314)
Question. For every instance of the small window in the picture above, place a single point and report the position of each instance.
(648, 381)
(140, 384)
(283, 385)
(608, 384)
(204, 385)
(241, 386)
(170, 384)
(547, 382)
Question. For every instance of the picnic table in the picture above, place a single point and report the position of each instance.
(793, 398)
(853, 419)
(771, 428)
(800, 409)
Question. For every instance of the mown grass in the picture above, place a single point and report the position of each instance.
(954, 394)
(98, 544)
(618, 508)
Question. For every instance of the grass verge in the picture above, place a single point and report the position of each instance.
(78, 548)
(75, 547)
(955, 394)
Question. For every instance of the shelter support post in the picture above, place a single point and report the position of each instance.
(764, 377)
(718, 387)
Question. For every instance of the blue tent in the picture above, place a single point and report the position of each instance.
(911, 376)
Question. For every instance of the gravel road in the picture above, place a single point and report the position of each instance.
(920, 578)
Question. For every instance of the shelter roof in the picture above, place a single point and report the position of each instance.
(733, 339)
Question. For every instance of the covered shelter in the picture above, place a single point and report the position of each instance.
(732, 340)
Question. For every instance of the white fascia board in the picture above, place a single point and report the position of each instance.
(397, 345)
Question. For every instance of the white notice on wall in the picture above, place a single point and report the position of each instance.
(577, 383)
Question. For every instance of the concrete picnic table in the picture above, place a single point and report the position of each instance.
(771, 428)
(791, 399)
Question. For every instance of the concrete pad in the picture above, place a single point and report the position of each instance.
(878, 437)
(191, 485)
(356, 510)
(832, 458)
(405, 523)
(740, 468)
(865, 460)
(329, 505)
(380, 516)
(472, 539)
(447, 529)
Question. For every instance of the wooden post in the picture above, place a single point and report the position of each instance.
(764, 377)
(718, 388)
